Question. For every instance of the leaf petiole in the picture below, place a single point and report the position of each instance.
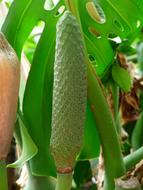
(3, 176)
(64, 181)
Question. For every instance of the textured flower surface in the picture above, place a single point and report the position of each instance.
(69, 95)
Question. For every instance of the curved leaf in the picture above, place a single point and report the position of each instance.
(27, 153)
(22, 17)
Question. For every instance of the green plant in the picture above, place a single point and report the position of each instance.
(110, 35)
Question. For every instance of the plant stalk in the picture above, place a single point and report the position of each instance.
(39, 182)
(64, 181)
(3, 176)
(115, 95)
(137, 136)
(114, 166)
(132, 159)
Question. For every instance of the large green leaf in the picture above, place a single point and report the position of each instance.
(119, 20)
(38, 100)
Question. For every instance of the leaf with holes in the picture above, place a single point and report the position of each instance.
(100, 19)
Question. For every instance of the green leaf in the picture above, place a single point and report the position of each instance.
(122, 78)
(38, 104)
(118, 21)
(29, 149)
(18, 26)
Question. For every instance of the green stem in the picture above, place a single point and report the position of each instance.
(64, 181)
(132, 159)
(39, 182)
(115, 94)
(137, 135)
(114, 165)
(3, 176)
